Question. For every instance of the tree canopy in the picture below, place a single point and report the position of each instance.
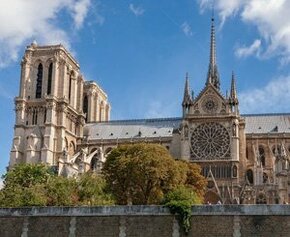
(36, 185)
(143, 173)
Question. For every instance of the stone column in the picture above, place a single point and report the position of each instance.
(47, 151)
(55, 76)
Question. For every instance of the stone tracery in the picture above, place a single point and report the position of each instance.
(210, 141)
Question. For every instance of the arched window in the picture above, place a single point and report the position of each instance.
(71, 149)
(85, 107)
(95, 161)
(277, 150)
(39, 81)
(69, 87)
(49, 79)
(250, 176)
(262, 155)
(235, 171)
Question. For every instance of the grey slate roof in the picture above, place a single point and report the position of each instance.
(156, 128)
(127, 129)
(267, 123)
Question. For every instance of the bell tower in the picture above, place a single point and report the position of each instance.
(49, 107)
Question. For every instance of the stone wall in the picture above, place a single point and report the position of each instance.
(145, 221)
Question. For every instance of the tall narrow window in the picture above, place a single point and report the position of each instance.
(85, 107)
(39, 81)
(34, 117)
(49, 79)
(44, 116)
(69, 87)
(250, 176)
(262, 155)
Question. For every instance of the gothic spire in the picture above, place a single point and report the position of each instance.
(233, 95)
(213, 75)
(186, 96)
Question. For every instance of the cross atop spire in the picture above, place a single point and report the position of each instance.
(213, 75)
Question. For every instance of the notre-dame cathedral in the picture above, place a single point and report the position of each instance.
(64, 121)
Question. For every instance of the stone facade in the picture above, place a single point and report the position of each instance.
(145, 221)
(53, 105)
(63, 120)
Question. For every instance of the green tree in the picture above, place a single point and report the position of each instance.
(143, 173)
(92, 190)
(195, 179)
(61, 191)
(26, 175)
(179, 202)
(24, 185)
(35, 185)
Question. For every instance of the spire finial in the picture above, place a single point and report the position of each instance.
(233, 87)
(186, 96)
(213, 75)
(212, 11)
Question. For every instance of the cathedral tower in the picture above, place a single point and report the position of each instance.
(52, 106)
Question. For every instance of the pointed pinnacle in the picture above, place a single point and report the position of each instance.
(233, 87)
(186, 97)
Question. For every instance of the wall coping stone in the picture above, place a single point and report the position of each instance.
(148, 210)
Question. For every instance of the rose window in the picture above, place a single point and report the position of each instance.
(210, 141)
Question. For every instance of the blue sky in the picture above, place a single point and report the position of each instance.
(139, 51)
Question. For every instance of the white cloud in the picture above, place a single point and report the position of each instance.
(22, 21)
(269, 16)
(80, 10)
(137, 11)
(225, 8)
(274, 97)
(253, 49)
(1, 183)
(157, 109)
(186, 29)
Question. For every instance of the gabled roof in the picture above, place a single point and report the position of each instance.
(267, 123)
(163, 128)
(130, 129)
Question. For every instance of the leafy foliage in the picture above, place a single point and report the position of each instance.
(35, 185)
(179, 202)
(195, 180)
(92, 190)
(143, 173)
(26, 175)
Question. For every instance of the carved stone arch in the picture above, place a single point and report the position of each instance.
(276, 149)
(73, 74)
(48, 62)
(37, 61)
(108, 150)
(95, 161)
(66, 144)
(71, 148)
